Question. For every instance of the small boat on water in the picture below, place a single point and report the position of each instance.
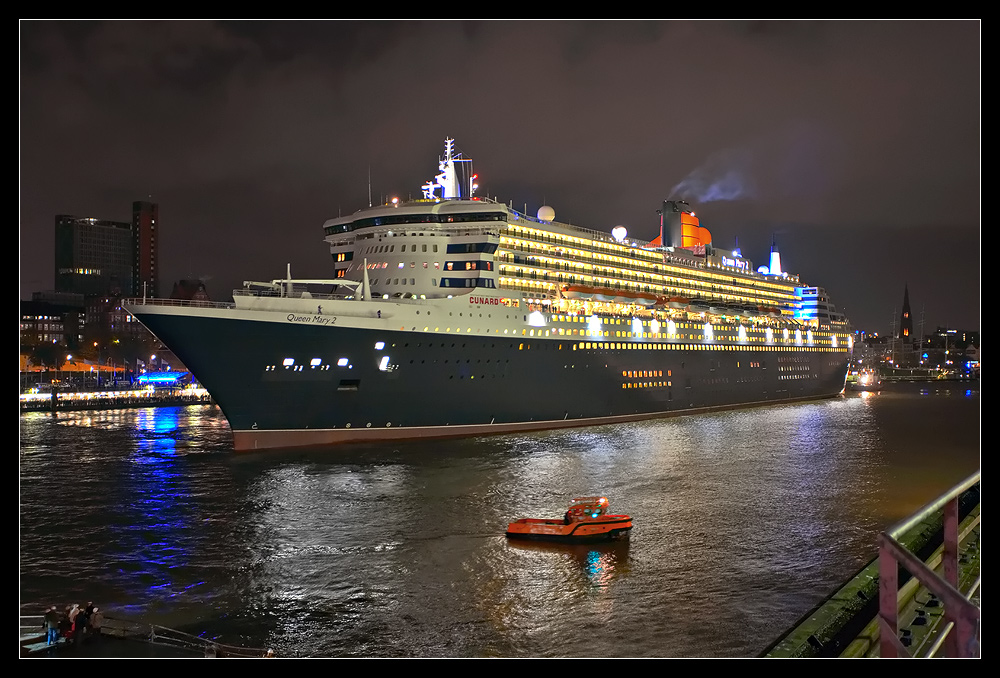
(865, 380)
(586, 520)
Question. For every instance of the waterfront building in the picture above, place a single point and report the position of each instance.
(44, 322)
(102, 257)
(93, 256)
(145, 231)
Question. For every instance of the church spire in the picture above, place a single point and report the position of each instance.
(905, 320)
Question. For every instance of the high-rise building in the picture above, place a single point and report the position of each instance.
(93, 256)
(101, 257)
(145, 228)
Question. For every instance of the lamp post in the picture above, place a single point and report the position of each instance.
(69, 357)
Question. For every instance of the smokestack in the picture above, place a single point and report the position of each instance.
(671, 229)
(775, 264)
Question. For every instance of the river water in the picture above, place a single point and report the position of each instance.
(744, 520)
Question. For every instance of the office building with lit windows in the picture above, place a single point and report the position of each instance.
(93, 256)
(99, 257)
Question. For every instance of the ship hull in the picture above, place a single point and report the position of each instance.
(285, 384)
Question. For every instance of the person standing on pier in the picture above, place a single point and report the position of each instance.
(65, 625)
(96, 621)
(51, 625)
(80, 626)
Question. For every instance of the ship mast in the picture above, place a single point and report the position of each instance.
(451, 178)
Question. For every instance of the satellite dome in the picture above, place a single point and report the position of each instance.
(546, 213)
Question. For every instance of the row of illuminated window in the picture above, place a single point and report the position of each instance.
(80, 271)
(396, 281)
(577, 260)
(30, 317)
(388, 249)
(666, 346)
(645, 263)
(592, 244)
(475, 265)
(419, 218)
(643, 374)
(289, 364)
(600, 277)
(645, 384)
(468, 282)
(445, 282)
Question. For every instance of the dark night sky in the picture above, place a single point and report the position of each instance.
(856, 144)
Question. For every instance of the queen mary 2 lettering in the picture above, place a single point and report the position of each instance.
(453, 315)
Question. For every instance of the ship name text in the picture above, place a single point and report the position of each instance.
(312, 319)
(494, 301)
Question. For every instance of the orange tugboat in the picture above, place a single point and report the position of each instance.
(586, 520)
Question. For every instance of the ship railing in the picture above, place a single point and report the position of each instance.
(198, 303)
(594, 235)
(243, 292)
(961, 636)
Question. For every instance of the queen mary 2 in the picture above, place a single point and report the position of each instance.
(454, 315)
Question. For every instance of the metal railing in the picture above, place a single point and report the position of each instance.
(33, 639)
(960, 636)
(156, 301)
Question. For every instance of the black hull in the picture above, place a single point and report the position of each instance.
(614, 535)
(280, 384)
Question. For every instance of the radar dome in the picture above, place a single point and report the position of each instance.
(546, 213)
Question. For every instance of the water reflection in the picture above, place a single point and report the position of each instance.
(599, 564)
(743, 521)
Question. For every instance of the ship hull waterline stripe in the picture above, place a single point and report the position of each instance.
(249, 439)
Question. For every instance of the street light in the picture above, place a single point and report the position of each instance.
(98, 365)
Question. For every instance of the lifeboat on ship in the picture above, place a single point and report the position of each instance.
(581, 292)
(608, 295)
(678, 302)
(646, 299)
(586, 520)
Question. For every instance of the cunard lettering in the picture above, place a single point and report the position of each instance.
(494, 301)
(487, 301)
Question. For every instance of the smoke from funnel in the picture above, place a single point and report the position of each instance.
(724, 176)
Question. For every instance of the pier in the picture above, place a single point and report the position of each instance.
(128, 638)
(111, 400)
(918, 598)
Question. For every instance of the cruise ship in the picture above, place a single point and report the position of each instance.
(454, 315)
